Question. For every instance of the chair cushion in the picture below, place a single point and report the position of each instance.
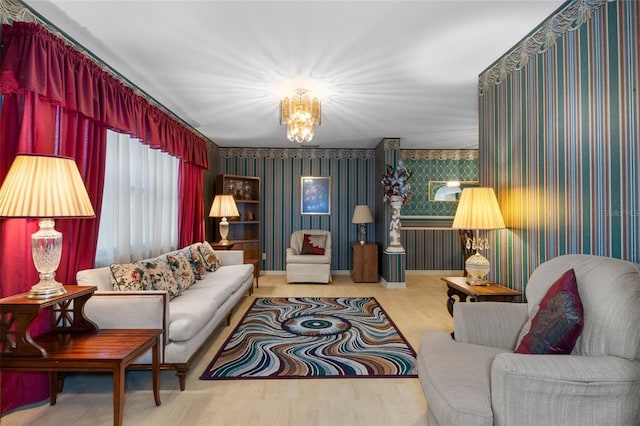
(558, 323)
(456, 379)
(308, 259)
(313, 244)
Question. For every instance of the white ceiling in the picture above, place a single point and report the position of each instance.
(399, 69)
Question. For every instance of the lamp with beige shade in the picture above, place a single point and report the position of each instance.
(45, 187)
(362, 216)
(224, 206)
(478, 210)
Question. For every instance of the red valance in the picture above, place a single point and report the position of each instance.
(33, 59)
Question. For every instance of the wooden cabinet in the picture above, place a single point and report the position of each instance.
(244, 231)
(364, 262)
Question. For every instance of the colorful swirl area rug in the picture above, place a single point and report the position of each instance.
(314, 337)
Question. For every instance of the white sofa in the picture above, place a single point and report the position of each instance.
(308, 268)
(187, 320)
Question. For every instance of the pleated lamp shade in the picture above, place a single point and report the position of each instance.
(478, 209)
(39, 186)
(224, 206)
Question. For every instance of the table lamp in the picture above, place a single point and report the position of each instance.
(224, 206)
(362, 215)
(478, 210)
(45, 187)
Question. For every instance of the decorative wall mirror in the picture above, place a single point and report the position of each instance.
(448, 191)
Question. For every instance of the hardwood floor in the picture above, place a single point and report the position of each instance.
(421, 307)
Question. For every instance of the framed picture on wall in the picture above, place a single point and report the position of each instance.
(315, 195)
(448, 191)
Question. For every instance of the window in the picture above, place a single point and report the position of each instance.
(140, 202)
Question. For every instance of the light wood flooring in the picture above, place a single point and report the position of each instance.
(421, 307)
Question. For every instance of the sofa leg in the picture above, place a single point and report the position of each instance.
(182, 377)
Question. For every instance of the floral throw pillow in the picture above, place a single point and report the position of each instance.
(313, 244)
(211, 261)
(559, 321)
(197, 262)
(161, 278)
(128, 277)
(181, 269)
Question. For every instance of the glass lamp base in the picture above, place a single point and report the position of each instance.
(46, 250)
(362, 234)
(477, 267)
(44, 290)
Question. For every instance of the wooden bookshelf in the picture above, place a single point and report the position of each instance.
(244, 231)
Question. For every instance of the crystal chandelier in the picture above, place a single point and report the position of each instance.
(301, 114)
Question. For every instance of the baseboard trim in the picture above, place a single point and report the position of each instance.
(447, 273)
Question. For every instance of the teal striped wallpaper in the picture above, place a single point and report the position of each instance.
(560, 143)
(355, 176)
(352, 182)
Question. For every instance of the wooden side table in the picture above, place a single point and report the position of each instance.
(364, 262)
(75, 344)
(457, 286)
(227, 246)
(256, 269)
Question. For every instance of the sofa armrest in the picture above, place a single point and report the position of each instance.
(230, 257)
(495, 324)
(564, 389)
(130, 309)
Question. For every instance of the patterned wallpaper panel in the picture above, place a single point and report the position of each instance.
(560, 143)
(354, 180)
(428, 170)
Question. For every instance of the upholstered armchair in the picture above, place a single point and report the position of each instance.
(309, 257)
(478, 379)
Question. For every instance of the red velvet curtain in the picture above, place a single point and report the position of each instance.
(57, 101)
(29, 124)
(190, 200)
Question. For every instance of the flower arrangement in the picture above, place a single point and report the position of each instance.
(396, 183)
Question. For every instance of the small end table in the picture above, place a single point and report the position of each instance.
(256, 269)
(227, 246)
(492, 292)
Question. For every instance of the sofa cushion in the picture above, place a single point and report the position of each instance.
(211, 261)
(558, 323)
(129, 277)
(161, 277)
(230, 276)
(181, 268)
(191, 311)
(313, 244)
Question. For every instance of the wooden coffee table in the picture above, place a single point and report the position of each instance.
(492, 292)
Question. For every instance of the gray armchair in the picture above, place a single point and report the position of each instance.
(308, 268)
(476, 379)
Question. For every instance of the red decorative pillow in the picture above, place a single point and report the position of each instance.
(559, 321)
(313, 244)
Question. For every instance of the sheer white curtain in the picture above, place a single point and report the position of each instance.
(140, 205)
